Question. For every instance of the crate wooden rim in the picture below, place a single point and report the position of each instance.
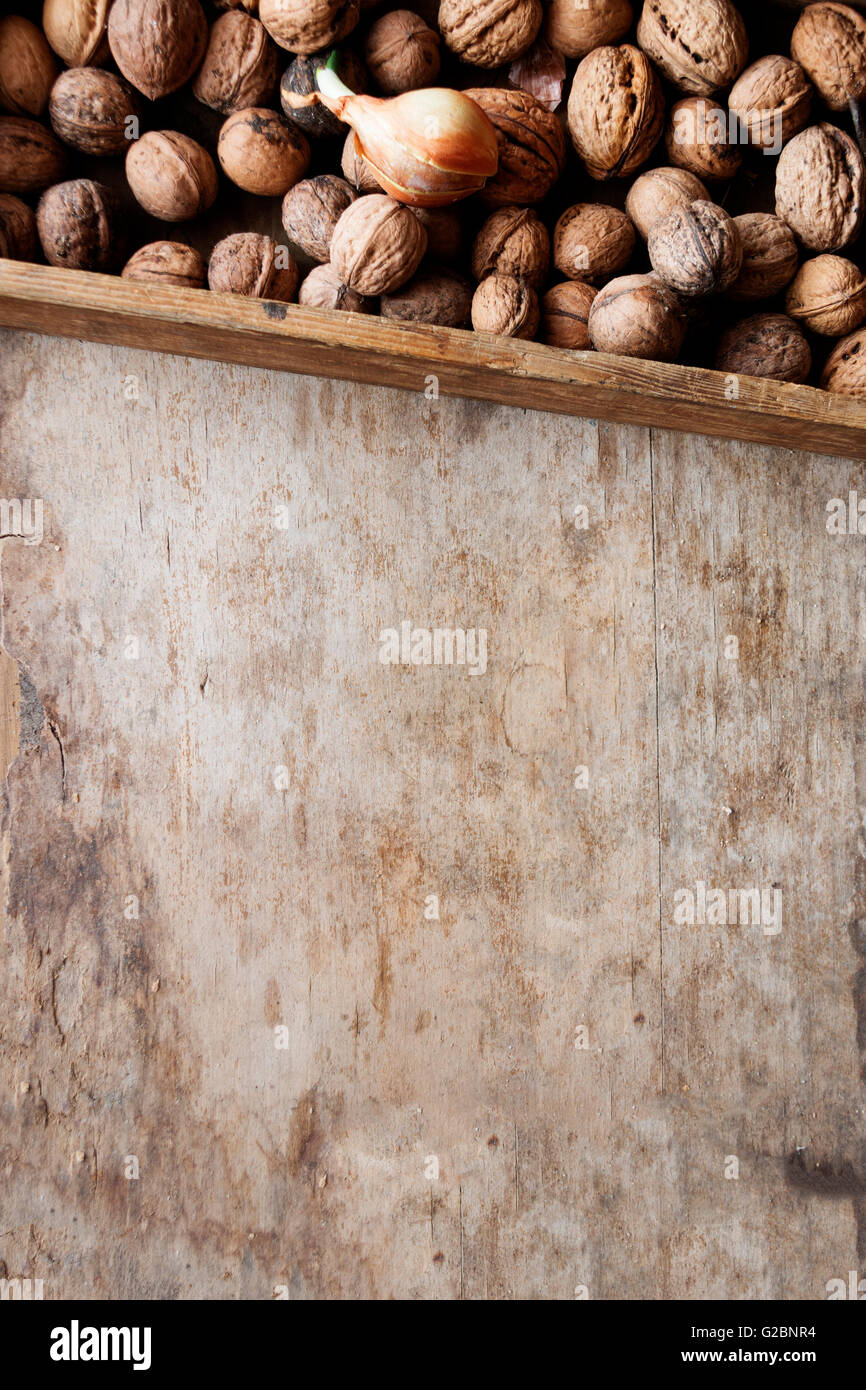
(357, 347)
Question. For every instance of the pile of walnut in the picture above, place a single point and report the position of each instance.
(639, 243)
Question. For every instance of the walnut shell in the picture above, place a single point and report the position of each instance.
(489, 33)
(323, 289)
(772, 100)
(592, 241)
(435, 296)
(311, 211)
(247, 263)
(167, 263)
(700, 45)
(171, 176)
(770, 256)
(828, 295)
(76, 222)
(444, 230)
(531, 146)
(505, 305)
(356, 169)
(75, 29)
(27, 67)
(377, 245)
(766, 345)
(637, 316)
(157, 44)
(17, 229)
(513, 241)
(90, 108)
(697, 138)
(402, 53)
(829, 41)
(305, 26)
(575, 27)
(299, 92)
(261, 152)
(565, 315)
(845, 369)
(615, 111)
(31, 157)
(657, 192)
(820, 181)
(696, 250)
(240, 66)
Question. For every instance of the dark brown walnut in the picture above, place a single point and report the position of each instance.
(75, 29)
(435, 296)
(700, 45)
(772, 100)
(306, 26)
(828, 296)
(658, 192)
(171, 176)
(576, 27)
(531, 146)
(829, 42)
(845, 369)
(157, 44)
(167, 263)
(240, 67)
(505, 305)
(77, 225)
(356, 169)
(638, 316)
(323, 289)
(820, 186)
(444, 232)
(311, 211)
(592, 242)
(513, 241)
(31, 157)
(253, 265)
(697, 138)
(616, 111)
(489, 33)
(766, 345)
(377, 245)
(17, 229)
(565, 315)
(27, 67)
(696, 250)
(262, 153)
(299, 92)
(402, 53)
(770, 256)
(90, 109)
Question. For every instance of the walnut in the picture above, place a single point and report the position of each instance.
(90, 108)
(845, 369)
(489, 33)
(696, 250)
(27, 67)
(828, 296)
(17, 229)
(432, 296)
(377, 245)
(251, 6)
(31, 157)
(505, 305)
(829, 41)
(513, 241)
(324, 289)
(637, 316)
(356, 168)
(305, 26)
(565, 315)
(247, 263)
(766, 345)
(531, 146)
(77, 226)
(240, 66)
(772, 100)
(697, 138)
(167, 263)
(402, 53)
(770, 256)
(171, 176)
(592, 242)
(261, 152)
(76, 29)
(444, 232)
(157, 44)
(576, 27)
(311, 211)
(615, 111)
(820, 188)
(657, 192)
(299, 92)
(700, 45)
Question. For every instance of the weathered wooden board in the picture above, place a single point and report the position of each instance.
(198, 728)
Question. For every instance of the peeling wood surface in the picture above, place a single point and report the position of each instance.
(198, 730)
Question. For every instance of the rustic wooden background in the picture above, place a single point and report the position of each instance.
(284, 1043)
